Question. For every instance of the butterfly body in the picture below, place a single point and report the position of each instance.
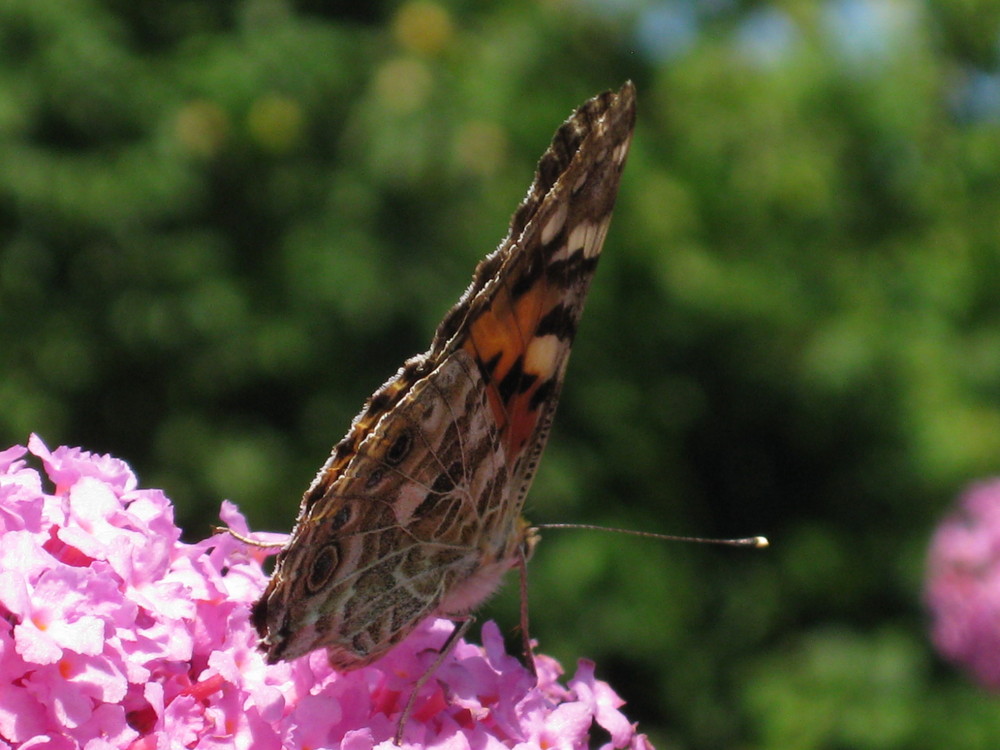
(417, 512)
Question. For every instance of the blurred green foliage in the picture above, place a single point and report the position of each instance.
(222, 225)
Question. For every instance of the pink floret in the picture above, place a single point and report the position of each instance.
(115, 634)
(963, 584)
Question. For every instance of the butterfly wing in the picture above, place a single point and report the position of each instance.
(527, 299)
(417, 510)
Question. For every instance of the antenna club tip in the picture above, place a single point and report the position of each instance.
(760, 542)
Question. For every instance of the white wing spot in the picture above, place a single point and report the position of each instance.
(581, 238)
(540, 358)
(555, 223)
(621, 149)
(596, 240)
(561, 254)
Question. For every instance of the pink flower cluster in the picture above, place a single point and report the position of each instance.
(963, 584)
(115, 634)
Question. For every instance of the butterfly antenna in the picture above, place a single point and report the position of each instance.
(759, 542)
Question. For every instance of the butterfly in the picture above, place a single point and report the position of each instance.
(417, 511)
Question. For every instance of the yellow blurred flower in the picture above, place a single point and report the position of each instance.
(423, 27)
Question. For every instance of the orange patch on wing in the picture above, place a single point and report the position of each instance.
(523, 420)
(503, 333)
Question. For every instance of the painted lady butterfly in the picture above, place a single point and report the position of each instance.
(417, 512)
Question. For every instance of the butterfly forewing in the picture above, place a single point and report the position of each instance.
(418, 509)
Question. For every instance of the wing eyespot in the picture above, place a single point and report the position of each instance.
(399, 448)
(322, 567)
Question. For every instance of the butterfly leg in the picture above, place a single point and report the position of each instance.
(522, 569)
(461, 626)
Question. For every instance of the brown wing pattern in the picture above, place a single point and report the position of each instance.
(417, 510)
(520, 327)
